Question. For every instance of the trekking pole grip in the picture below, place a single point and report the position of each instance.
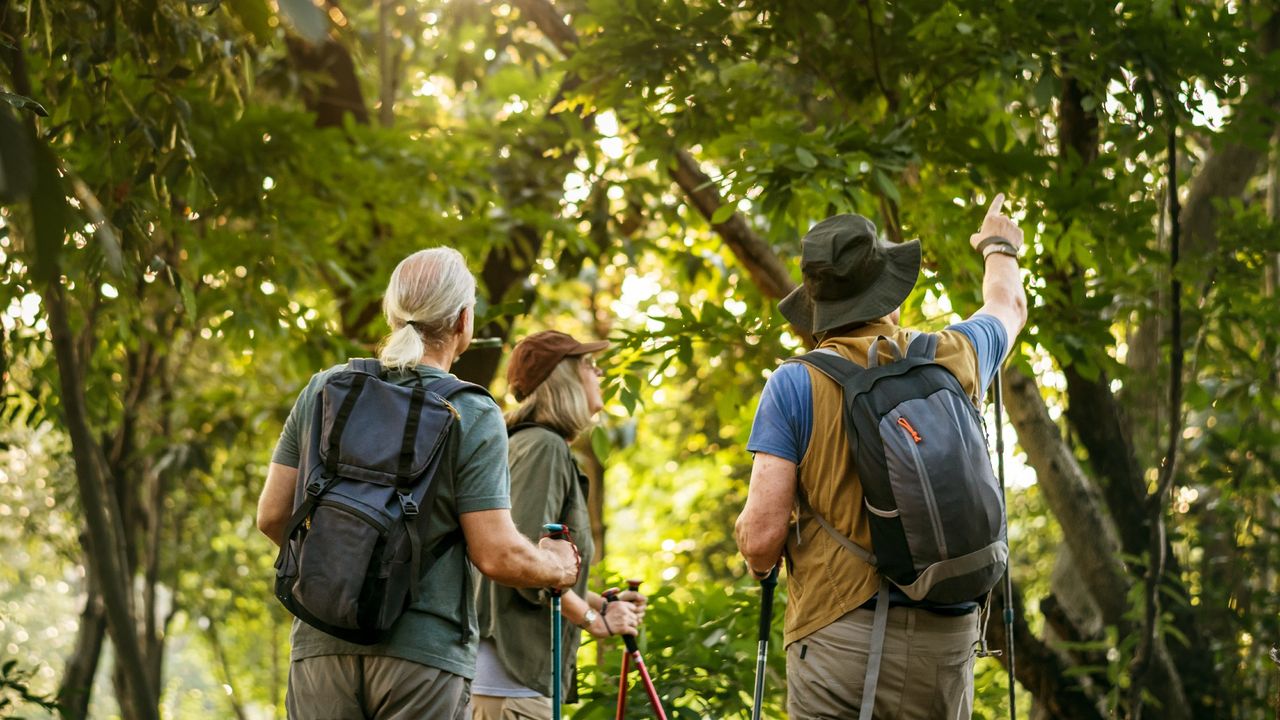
(611, 595)
(558, 531)
(767, 585)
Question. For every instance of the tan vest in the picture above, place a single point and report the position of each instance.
(824, 580)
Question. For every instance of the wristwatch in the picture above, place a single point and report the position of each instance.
(996, 244)
(587, 618)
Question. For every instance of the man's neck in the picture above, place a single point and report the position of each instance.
(859, 330)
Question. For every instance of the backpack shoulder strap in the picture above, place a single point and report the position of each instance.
(858, 551)
(923, 345)
(448, 386)
(368, 366)
(878, 627)
(873, 352)
(831, 364)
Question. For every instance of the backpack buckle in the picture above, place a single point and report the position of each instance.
(408, 505)
(317, 486)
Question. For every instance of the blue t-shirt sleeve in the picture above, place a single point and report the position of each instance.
(784, 417)
(991, 343)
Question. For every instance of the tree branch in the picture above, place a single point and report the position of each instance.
(890, 96)
(757, 256)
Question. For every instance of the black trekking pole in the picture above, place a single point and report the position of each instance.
(767, 585)
(555, 531)
(1008, 568)
(632, 654)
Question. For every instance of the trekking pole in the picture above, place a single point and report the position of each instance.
(622, 682)
(633, 653)
(610, 596)
(555, 531)
(767, 585)
(1008, 568)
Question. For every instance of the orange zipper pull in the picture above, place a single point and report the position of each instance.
(907, 426)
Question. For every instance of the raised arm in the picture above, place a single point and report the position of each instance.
(1000, 240)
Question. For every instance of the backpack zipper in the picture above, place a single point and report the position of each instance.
(923, 472)
(910, 430)
(348, 509)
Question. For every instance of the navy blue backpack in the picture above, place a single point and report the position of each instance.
(370, 469)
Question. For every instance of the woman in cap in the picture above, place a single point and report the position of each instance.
(557, 383)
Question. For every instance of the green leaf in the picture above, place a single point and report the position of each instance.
(806, 158)
(306, 19)
(507, 309)
(188, 298)
(600, 443)
(722, 213)
(254, 15)
(22, 102)
(886, 185)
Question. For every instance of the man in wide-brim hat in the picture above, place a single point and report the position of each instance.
(854, 285)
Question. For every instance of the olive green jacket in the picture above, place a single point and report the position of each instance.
(546, 487)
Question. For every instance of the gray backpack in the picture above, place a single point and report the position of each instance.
(371, 466)
(934, 506)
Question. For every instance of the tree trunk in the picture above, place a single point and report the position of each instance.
(1038, 667)
(82, 665)
(1086, 527)
(106, 532)
(1092, 408)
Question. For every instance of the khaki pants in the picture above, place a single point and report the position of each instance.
(356, 687)
(926, 672)
(487, 707)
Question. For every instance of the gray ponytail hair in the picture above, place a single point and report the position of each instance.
(424, 297)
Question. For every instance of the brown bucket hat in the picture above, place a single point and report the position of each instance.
(850, 275)
(536, 356)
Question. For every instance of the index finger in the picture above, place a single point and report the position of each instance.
(996, 203)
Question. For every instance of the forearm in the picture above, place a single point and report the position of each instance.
(505, 556)
(575, 607)
(1002, 293)
(761, 543)
(520, 564)
(761, 530)
(275, 504)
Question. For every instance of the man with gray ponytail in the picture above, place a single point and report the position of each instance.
(424, 665)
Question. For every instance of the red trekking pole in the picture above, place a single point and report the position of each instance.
(633, 653)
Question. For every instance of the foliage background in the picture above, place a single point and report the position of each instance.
(201, 200)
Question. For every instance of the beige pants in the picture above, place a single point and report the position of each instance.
(487, 707)
(926, 672)
(355, 687)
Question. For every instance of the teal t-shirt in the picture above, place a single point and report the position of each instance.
(430, 632)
